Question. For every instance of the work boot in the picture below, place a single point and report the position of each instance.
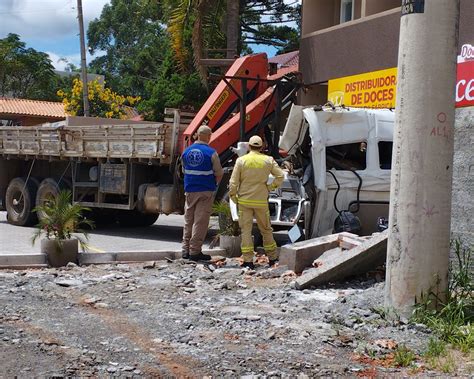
(185, 254)
(199, 257)
(249, 265)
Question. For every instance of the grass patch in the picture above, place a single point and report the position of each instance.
(453, 321)
(435, 348)
(403, 356)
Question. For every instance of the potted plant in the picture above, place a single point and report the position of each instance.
(60, 224)
(229, 231)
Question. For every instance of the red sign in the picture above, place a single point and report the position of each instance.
(465, 84)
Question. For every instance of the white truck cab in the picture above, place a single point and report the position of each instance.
(343, 159)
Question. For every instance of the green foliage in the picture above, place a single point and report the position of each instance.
(61, 219)
(153, 48)
(227, 226)
(448, 366)
(453, 321)
(200, 25)
(270, 22)
(25, 72)
(435, 348)
(403, 356)
(139, 60)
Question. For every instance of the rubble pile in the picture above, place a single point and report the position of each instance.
(185, 319)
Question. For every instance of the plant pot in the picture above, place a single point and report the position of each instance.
(231, 244)
(60, 254)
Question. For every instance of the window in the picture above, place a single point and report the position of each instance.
(385, 155)
(351, 156)
(347, 10)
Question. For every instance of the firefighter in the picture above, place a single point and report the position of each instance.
(202, 172)
(249, 189)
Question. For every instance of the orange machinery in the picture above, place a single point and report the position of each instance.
(248, 89)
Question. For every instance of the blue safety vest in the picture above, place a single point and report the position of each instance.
(198, 172)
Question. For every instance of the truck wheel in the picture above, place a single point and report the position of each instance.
(47, 190)
(20, 201)
(135, 219)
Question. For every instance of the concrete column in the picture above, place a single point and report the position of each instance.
(422, 166)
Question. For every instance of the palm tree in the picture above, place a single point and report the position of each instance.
(205, 19)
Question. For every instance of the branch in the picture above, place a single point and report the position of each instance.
(272, 22)
(258, 41)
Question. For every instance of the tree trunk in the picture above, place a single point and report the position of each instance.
(197, 41)
(233, 27)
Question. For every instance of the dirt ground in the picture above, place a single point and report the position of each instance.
(183, 319)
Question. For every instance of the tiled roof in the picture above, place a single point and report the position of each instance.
(287, 59)
(23, 107)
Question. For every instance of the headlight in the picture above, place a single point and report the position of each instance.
(289, 212)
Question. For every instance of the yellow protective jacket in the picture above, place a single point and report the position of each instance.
(249, 179)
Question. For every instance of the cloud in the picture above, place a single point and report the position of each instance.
(60, 62)
(46, 19)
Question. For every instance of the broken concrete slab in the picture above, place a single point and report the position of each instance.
(336, 266)
(299, 255)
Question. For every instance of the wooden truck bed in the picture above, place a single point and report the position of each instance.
(156, 142)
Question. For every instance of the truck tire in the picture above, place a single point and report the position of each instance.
(48, 189)
(136, 219)
(20, 201)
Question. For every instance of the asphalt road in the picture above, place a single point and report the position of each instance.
(165, 234)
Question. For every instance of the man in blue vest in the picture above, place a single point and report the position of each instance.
(202, 173)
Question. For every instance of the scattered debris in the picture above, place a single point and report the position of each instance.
(184, 320)
(150, 264)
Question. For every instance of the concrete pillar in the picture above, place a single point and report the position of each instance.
(420, 199)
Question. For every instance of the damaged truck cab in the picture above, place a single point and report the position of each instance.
(342, 158)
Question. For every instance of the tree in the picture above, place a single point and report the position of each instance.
(139, 58)
(252, 21)
(25, 72)
(103, 101)
(271, 22)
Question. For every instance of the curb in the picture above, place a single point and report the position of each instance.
(25, 261)
(21, 261)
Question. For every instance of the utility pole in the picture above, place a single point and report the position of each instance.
(422, 164)
(85, 91)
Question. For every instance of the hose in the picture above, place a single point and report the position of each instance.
(337, 191)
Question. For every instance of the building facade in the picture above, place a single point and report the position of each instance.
(341, 38)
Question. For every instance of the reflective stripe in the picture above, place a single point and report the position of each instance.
(247, 249)
(253, 202)
(197, 172)
(254, 205)
(271, 247)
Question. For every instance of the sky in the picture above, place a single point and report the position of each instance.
(51, 26)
